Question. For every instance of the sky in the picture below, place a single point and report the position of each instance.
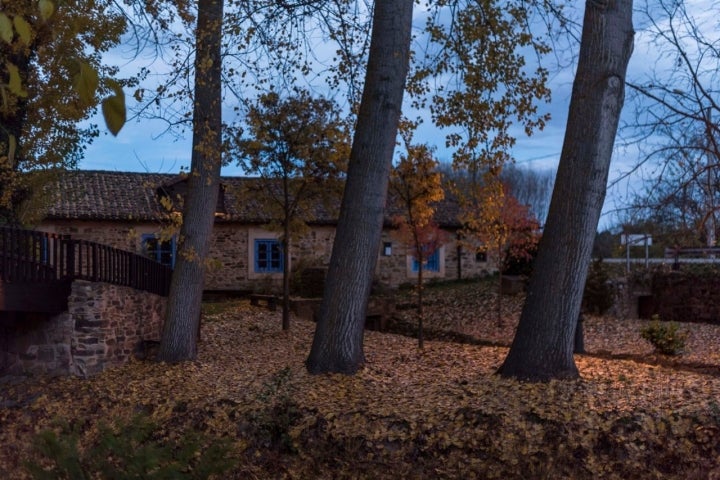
(145, 146)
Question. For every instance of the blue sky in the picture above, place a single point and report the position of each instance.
(145, 146)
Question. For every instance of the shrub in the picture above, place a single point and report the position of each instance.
(128, 450)
(666, 337)
(270, 426)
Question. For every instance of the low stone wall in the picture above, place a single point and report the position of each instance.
(685, 297)
(35, 343)
(627, 298)
(103, 326)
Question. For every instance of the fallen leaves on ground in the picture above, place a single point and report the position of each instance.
(436, 413)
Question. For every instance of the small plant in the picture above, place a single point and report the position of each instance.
(666, 337)
(270, 426)
(128, 450)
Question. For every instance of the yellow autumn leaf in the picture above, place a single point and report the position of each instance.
(6, 28)
(23, 29)
(86, 83)
(113, 109)
(47, 8)
(15, 83)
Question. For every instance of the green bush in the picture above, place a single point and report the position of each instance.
(666, 337)
(128, 450)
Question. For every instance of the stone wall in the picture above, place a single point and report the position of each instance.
(673, 296)
(456, 264)
(684, 297)
(123, 235)
(228, 269)
(35, 343)
(103, 326)
(230, 266)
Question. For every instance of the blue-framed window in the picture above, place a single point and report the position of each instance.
(268, 256)
(432, 263)
(162, 251)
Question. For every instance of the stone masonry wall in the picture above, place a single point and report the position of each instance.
(684, 297)
(394, 270)
(122, 235)
(230, 267)
(110, 322)
(103, 326)
(35, 343)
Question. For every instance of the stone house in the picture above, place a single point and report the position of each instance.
(135, 211)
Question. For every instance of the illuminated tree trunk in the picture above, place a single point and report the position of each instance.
(338, 341)
(543, 345)
(179, 337)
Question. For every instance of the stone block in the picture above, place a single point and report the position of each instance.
(46, 353)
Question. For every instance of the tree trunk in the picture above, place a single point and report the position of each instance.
(338, 341)
(286, 274)
(543, 345)
(420, 309)
(179, 338)
(579, 346)
(499, 290)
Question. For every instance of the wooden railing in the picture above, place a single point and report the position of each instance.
(28, 256)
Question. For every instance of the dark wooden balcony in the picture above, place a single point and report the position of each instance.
(37, 269)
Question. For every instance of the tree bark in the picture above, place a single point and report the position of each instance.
(179, 337)
(286, 273)
(338, 341)
(420, 309)
(579, 346)
(500, 289)
(543, 345)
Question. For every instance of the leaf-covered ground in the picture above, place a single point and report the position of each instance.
(439, 413)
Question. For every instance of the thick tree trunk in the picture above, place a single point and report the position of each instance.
(338, 342)
(543, 345)
(179, 338)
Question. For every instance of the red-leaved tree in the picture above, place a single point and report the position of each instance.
(502, 225)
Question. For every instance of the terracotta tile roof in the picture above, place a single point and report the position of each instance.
(108, 195)
(100, 195)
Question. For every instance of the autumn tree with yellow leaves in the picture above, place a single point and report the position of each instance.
(497, 222)
(298, 148)
(479, 49)
(52, 78)
(416, 185)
